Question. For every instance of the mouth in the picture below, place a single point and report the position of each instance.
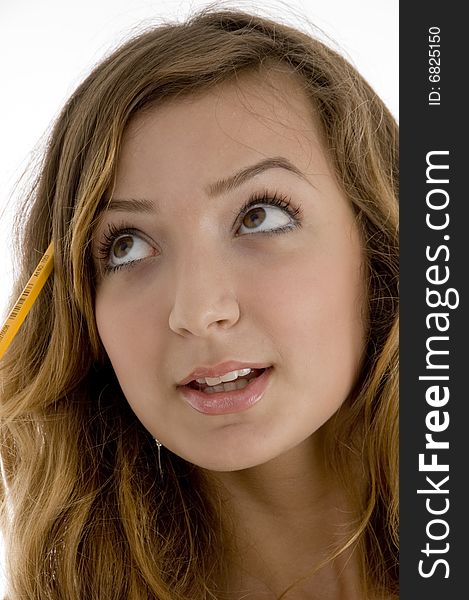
(229, 386)
(227, 397)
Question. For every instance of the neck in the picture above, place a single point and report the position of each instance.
(283, 519)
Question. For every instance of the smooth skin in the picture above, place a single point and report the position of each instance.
(200, 283)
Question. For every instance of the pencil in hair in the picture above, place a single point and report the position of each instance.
(27, 298)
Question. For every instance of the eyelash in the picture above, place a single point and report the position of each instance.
(276, 199)
(271, 199)
(105, 246)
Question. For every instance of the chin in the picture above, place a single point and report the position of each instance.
(228, 466)
(224, 462)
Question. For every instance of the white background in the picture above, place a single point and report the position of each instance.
(48, 46)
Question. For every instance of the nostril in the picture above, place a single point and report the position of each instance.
(202, 312)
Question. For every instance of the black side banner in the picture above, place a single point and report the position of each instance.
(434, 401)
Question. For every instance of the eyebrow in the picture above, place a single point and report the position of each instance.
(277, 162)
(131, 205)
(137, 205)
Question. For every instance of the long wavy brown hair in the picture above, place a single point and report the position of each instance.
(85, 514)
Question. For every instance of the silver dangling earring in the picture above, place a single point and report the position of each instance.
(159, 444)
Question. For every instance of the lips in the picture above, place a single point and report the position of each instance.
(221, 369)
(204, 387)
(227, 402)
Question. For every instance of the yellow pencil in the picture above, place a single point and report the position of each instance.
(27, 298)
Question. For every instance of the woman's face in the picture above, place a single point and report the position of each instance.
(228, 246)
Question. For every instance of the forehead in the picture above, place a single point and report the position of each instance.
(274, 94)
(237, 122)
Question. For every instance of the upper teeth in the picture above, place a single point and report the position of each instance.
(231, 376)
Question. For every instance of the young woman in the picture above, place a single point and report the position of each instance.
(203, 401)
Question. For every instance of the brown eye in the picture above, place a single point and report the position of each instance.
(122, 246)
(127, 249)
(265, 218)
(254, 217)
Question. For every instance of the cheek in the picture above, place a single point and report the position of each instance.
(129, 327)
(112, 320)
(310, 299)
(312, 311)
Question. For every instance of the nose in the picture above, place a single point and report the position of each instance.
(205, 300)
